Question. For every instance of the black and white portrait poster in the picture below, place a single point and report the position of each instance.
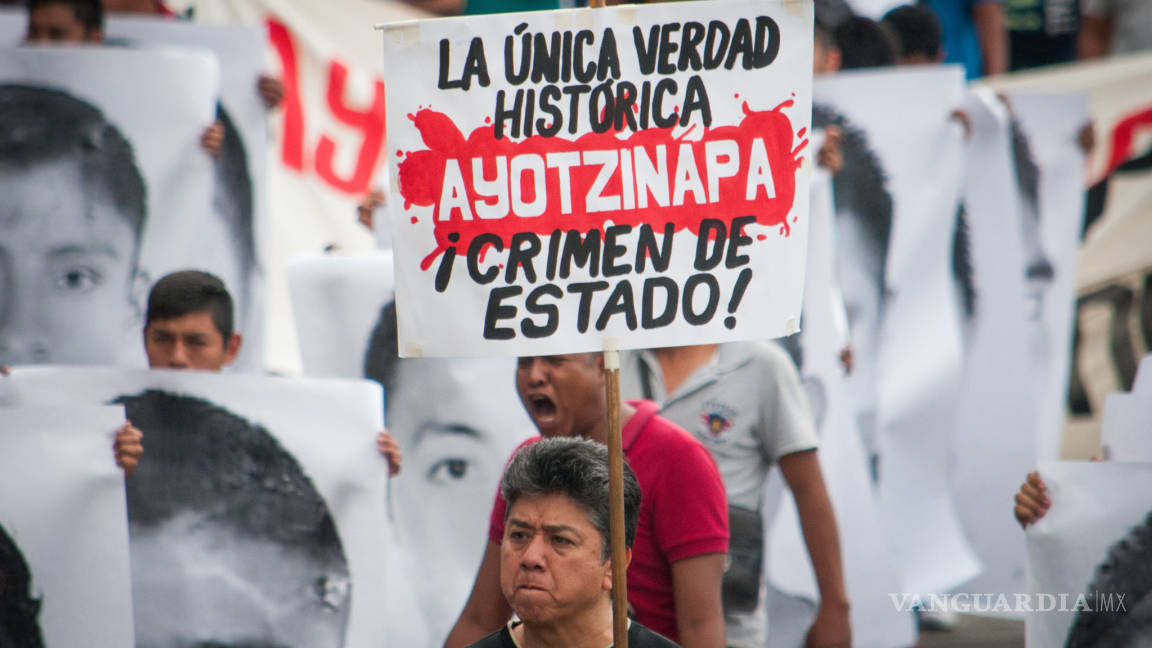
(257, 515)
(869, 569)
(1089, 557)
(993, 438)
(240, 170)
(458, 420)
(896, 203)
(63, 529)
(1124, 429)
(107, 188)
(1051, 239)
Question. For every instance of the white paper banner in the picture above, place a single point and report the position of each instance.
(80, 282)
(1093, 543)
(899, 278)
(241, 169)
(992, 439)
(458, 421)
(1124, 430)
(1052, 124)
(553, 171)
(869, 571)
(257, 511)
(62, 512)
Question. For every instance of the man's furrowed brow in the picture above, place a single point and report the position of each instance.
(430, 429)
(550, 528)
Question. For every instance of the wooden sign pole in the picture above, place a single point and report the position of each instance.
(616, 497)
(616, 486)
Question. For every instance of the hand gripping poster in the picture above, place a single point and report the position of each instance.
(564, 180)
(256, 515)
(64, 572)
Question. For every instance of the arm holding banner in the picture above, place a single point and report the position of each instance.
(802, 472)
(486, 609)
(696, 590)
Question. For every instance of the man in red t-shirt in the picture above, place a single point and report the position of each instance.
(682, 542)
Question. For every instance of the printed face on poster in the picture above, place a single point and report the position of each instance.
(258, 516)
(106, 187)
(634, 173)
(457, 419)
(64, 569)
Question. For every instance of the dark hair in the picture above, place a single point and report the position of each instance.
(382, 355)
(232, 196)
(191, 291)
(1028, 181)
(577, 468)
(830, 13)
(917, 30)
(19, 627)
(205, 459)
(863, 43)
(1126, 571)
(860, 189)
(90, 13)
(962, 271)
(43, 125)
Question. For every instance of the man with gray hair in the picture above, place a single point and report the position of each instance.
(555, 558)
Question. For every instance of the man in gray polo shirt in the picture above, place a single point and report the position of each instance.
(745, 402)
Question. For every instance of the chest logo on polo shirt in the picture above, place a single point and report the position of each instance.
(717, 419)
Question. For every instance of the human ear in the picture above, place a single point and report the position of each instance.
(232, 347)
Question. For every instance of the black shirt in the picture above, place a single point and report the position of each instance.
(638, 637)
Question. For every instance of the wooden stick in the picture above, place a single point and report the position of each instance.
(595, 4)
(616, 497)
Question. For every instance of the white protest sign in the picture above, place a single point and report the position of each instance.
(257, 515)
(235, 242)
(124, 190)
(1051, 222)
(336, 303)
(63, 524)
(1088, 557)
(869, 570)
(1124, 432)
(992, 442)
(896, 203)
(565, 178)
(457, 419)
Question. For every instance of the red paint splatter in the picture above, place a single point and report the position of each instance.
(399, 153)
(421, 178)
(761, 237)
(415, 220)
